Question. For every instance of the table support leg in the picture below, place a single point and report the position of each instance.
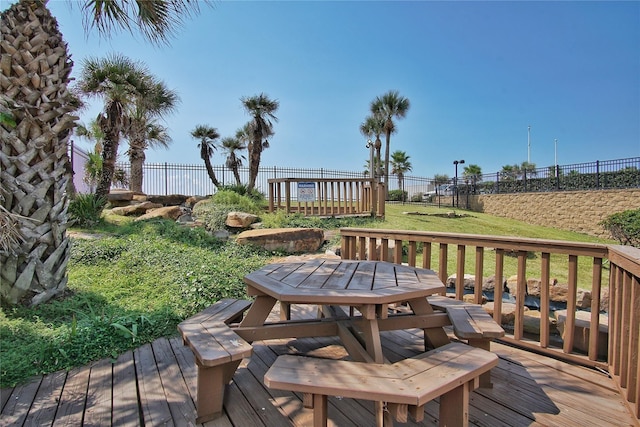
(259, 311)
(437, 337)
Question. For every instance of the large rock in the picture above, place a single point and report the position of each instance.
(168, 200)
(135, 209)
(290, 240)
(167, 212)
(240, 219)
(469, 281)
(117, 198)
(582, 330)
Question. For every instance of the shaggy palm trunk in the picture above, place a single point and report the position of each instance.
(35, 171)
(136, 159)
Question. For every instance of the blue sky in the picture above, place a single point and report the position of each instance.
(477, 75)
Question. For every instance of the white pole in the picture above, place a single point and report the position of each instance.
(529, 144)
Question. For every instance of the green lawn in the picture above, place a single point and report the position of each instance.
(138, 281)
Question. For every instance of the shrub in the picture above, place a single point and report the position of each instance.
(242, 190)
(624, 227)
(85, 210)
(213, 213)
(397, 195)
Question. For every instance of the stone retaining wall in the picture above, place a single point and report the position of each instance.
(579, 211)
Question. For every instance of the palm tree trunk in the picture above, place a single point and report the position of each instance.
(136, 159)
(255, 148)
(35, 171)
(386, 164)
(109, 154)
(211, 173)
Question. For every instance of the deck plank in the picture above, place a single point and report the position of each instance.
(45, 404)
(74, 395)
(152, 398)
(125, 396)
(529, 390)
(98, 406)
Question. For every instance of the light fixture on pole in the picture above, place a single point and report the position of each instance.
(529, 144)
(455, 184)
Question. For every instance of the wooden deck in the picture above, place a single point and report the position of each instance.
(155, 385)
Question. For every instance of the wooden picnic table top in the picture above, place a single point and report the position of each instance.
(343, 282)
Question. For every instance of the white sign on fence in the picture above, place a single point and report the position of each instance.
(306, 192)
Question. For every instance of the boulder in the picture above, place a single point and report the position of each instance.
(120, 195)
(135, 209)
(290, 240)
(191, 201)
(240, 219)
(582, 328)
(168, 200)
(167, 212)
(508, 312)
(468, 282)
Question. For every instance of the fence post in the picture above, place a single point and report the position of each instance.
(597, 173)
(497, 182)
(557, 177)
(166, 180)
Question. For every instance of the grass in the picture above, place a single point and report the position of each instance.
(140, 279)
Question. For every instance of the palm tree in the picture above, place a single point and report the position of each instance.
(36, 172)
(121, 83)
(472, 173)
(389, 106)
(440, 179)
(373, 126)
(207, 136)
(233, 146)
(48, 127)
(400, 165)
(144, 132)
(263, 110)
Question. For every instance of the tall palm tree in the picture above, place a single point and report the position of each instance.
(472, 173)
(373, 127)
(121, 83)
(93, 166)
(144, 132)
(36, 171)
(390, 106)
(263, 110)
(400, 165)
(233, 146)
(36, 127)
(207, 136)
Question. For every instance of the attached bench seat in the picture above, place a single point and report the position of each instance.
(218, 351)
(470, 323)
(450, 372)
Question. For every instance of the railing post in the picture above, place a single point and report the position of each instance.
(166, 180)
(597, 173)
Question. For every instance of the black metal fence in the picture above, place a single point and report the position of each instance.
(169, 178)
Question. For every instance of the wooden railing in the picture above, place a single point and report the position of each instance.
(326, 196)
(424, 248)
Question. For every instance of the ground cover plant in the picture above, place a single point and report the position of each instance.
(138, 280)
(129, 287)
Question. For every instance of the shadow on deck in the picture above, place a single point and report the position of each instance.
(155, 385)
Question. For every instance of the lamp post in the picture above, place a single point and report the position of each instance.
(455, 184)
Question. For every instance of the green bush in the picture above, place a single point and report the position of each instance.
(85, 210)
(397, 196)
(624, 227)
(213, 212)
(242, 190)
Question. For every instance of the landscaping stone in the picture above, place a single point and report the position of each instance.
(582, 328)
(468, 282)
(169, 200)
(291, 240)
(135, 209)
(167, 212)
(240, 219)
(508, 312)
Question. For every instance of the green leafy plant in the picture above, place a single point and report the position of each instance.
(624, 227)
(85, 210)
